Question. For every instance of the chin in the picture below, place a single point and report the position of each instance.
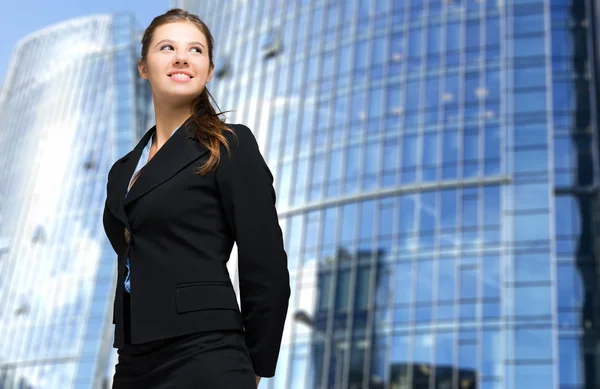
(179, 97)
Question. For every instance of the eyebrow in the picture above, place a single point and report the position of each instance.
(189, 43)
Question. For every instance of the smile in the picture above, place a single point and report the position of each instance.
(181, 76)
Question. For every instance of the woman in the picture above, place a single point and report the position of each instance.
(175, 205)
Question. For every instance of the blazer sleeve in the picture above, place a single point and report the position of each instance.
(246, 190)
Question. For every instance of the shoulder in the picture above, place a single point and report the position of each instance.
(115, 166)
(244, 153)
(239, 134)
(241, 140)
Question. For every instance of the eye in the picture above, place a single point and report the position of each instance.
(197, 48)
(162, 47)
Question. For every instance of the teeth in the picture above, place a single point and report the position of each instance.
(180, 76)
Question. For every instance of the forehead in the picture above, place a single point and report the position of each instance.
(180, 32)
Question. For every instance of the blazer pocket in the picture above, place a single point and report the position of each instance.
(204, 295)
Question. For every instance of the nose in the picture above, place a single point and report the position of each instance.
(180, 58)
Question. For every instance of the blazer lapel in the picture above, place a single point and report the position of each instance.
(179, 150)
(122, 176)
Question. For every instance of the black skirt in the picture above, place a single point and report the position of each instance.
(216, 359)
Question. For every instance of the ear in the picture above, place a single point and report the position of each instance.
(210, 74)
(142, 69)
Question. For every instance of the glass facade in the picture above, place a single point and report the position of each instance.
(68, 110)
(437, 170)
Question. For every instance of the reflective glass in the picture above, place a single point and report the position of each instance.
(454, 110)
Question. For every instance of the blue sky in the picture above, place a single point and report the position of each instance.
(19, 18)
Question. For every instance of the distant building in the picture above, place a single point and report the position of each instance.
(69, 108)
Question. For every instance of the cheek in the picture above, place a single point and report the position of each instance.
(155, 69)
(202, 67)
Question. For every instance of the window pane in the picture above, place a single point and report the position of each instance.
(570, 367)
(492, 353)
(468, 283)
(342, 299)
(526, 24)
(491, 204)
(531, 227)
(409, 151)
(406, 214)
(348, 222)
(526, 374)
(449, 145)
(449, 208)
(379, 51)
(533, 344)
(526, 47)
(531, 197)
(491, 277)
(386, 218)
(424, 281)
(433, 39)
(570, 288)
(428, 211)
(492, 32)
(444, 349)
(532, 267)
(530, 161)
(530, 77)
(403, 281)
(453, 38)
(533, 301)
(447, 280)
(367, 222)
(528, 102)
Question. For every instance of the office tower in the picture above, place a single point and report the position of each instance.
(68, 110)
(436, 165)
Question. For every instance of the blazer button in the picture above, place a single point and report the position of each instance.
(127, 236)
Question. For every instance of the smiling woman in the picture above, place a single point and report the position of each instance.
(174, 209)
(177, 48)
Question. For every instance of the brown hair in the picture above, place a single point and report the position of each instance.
(208, 126)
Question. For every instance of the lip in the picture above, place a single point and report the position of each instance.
(184, 80)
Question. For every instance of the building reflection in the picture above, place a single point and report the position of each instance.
(8, 380)
(349, 345)
(422, 376)
(344, 323)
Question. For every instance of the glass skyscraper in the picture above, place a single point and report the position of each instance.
(68, 109)
(437, 174)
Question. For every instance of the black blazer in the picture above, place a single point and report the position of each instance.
(178, 229)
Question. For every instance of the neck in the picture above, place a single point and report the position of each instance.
(168, 119)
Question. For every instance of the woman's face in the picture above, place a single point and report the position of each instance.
(177, 64)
